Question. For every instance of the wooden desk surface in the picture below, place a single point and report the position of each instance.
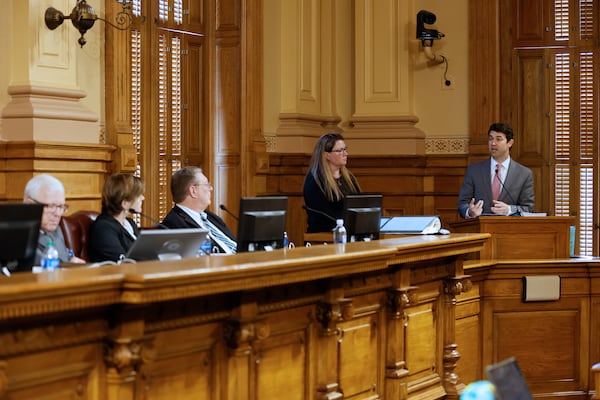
(154, 280)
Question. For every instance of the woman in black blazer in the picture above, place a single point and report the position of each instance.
(327, 182)
(113, 232)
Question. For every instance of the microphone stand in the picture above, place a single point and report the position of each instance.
(222, 207)
(504, 189)
(307, 208)
(153, 220)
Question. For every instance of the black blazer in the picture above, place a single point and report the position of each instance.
(179, 219)
(108, 240)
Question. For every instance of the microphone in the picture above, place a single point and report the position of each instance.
(504, 189)
(153, 220)
(222, 207)
(307, 208)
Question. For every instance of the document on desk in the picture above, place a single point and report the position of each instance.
(533, 214)
(423, 224)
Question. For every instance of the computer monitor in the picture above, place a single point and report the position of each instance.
(362, 213)
(19, 232)
(166, 244)
(261, 223)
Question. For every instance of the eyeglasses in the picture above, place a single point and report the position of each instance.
(62, 208)
(203, 184)
(340, 151)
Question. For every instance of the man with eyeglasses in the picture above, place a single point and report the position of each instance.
(48, 191)
(192, 195)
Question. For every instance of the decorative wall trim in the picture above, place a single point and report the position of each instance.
(446, 145)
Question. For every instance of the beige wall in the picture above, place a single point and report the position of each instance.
(441, 113)
(57, 87)
(53, 59)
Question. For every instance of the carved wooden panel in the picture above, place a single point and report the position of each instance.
(363, 321)
(360, 360)
(280, 363)
(548, 338)
(468, 332)
(194, 107)
(531, 22)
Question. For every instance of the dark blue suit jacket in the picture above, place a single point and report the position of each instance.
(517, 190)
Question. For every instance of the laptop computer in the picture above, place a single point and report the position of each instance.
(167, 244)
(423, 224)
(509, 380)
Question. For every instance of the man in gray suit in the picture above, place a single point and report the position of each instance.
(498, 185)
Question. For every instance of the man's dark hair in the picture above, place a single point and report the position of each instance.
(181, 182)
(503, 128)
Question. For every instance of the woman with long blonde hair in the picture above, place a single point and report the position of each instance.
(327, 182)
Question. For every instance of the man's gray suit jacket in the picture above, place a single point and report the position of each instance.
(517, 190)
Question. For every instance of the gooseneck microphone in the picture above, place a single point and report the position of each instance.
(307, 208)
(222, 207)
(504, 189)
(149, 218)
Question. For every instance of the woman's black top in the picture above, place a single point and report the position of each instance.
(108, 239)
(322, 213)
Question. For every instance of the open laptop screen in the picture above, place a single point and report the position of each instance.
(162, 244)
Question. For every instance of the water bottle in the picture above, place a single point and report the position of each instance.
(50, 260)
(286, 241)
(339, 232)
(206, 246)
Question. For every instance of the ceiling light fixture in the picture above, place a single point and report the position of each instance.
(83, 17)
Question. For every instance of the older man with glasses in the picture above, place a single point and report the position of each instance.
(48, 191)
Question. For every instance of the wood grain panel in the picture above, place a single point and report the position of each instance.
(468, 334)
(531, 107)
(530, 22)
(521, 237)
(307, 323)
(549, 338)
(194, 110)
(281, 363)
(557, 366)
(359, 360)
(228, 15)
(81, 168)
(484, 61)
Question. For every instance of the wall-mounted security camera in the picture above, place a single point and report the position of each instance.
(427, 35)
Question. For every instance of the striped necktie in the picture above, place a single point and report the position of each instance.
(225, 243)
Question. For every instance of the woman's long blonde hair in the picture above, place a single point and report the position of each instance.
(320, 170)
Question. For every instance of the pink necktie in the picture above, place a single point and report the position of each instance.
(496, 183)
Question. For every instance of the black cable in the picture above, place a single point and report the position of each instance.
(447, 82)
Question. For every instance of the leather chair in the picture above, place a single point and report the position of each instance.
(75, 229)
